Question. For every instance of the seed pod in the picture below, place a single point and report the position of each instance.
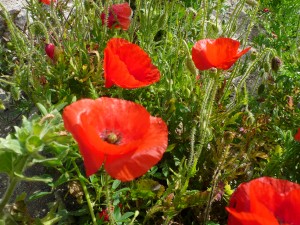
(276, 64)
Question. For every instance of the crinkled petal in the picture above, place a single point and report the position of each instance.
(123, 12)
(150, 150)
(127, 65)
(220, 53)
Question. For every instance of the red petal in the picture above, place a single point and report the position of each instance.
(274, 194)
(85, 136)
(127, 65)
(246, 218)
(128, 166)
(88, 120)
(119, 16)
(297, 135)
(47, 2)
(220, 53)
(290, 207)
(128, 118)
(123, 13)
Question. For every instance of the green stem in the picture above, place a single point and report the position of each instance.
(204, 121)
(205, 10)
(21, 165)
(215, 181)
(86, 193)
(108, 201)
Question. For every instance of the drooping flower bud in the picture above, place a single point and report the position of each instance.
(276, 63)
(49, 49)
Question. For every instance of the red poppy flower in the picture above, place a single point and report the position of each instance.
(119, 16)
(221, 53)
(297, 135)
(127, 65)
(265, 201)
(104, 215)
(47, 2)
(120, 134)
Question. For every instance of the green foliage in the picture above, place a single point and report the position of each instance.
(221, 132)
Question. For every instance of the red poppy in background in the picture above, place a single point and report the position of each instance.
(47, 2)
(265, 201)
(119, 16)
(50, 50)
(120, 134)
(220, 53)
(127, 65)
(104, 215)
(297, 135)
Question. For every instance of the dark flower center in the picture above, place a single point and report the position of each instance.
(111, 137)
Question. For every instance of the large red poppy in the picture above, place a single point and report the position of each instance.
(297, 135)
(265, 201)
(120, 134)
(127, 65)
(119, 16)
(220, 53)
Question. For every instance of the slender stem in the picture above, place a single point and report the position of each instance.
(215, 180)
(19, 168)
(86, 193)
(205, 113)
(13, 183)
(108, 201)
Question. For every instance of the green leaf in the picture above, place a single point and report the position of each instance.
(53, 162)
(42, 109)
(11, 145)
(34, 144)
(38, 194)
(6, 161)
(44, 178)
(116, 184)
(126, 216)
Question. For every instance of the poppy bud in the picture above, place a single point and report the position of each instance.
(191, 66)
(276, 63)
(49, 49)
(251, 2)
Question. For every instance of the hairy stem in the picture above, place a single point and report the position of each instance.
(86, 193)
